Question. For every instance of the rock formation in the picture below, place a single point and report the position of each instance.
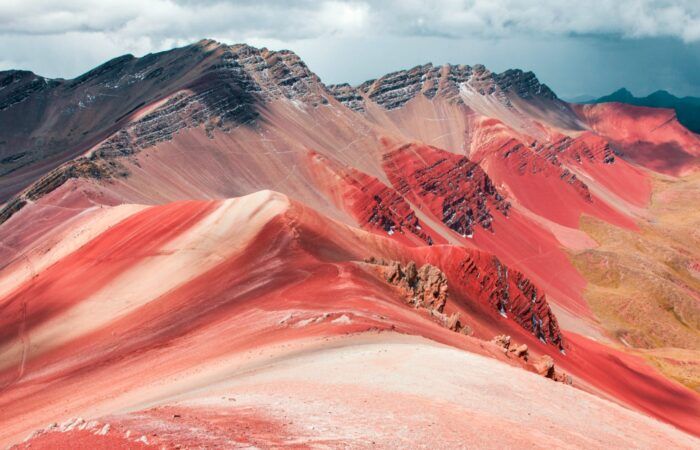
(457, 190)
(394, 90)
(543, 365)
(423, 288)
(511, 294)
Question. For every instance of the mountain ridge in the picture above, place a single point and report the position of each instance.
(167, 72)
(687, 108)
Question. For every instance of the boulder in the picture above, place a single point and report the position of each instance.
(545, 366)
(502, 341)
(520, 351)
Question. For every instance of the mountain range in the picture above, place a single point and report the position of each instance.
(209, 247)
(687, 108)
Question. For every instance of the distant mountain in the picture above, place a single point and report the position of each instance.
(687, 108)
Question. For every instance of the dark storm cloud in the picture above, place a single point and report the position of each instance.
(66, 37)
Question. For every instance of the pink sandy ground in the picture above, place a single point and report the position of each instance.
(374, 390)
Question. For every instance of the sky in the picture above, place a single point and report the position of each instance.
(577, 47)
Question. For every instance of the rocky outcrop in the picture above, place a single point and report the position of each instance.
(427, 286)
(477, 277)
(18, 85)
(348, 96)
(223, 96)
(384, 216)
(390, 212)
(587, 148)
(372, 203)
(523, 84)
(543, 365)
(394, 90)
(457, 191)
(423, 288)
(278, 74)
(510, 293)
(94, 168)
(85, 167)
(544, 160)
(220, 106)
(11, 207)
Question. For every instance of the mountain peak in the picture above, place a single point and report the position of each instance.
(622, 95)
(662, 95)
(207, 43)
(394, 89)
(623, 91)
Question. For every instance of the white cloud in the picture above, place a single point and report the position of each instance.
(343, 17)
(167, 19)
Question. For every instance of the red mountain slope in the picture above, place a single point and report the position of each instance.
(248, 257)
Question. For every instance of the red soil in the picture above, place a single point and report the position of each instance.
(83, 439)
(298, 278)
(650, 137)
(84, 272)
(543, 177)
(619, 177)
(631, 381)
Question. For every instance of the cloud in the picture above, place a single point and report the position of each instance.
(500, 18)
(158, 20)
(168, 19)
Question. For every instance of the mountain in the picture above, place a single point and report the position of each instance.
(687, 108)
(210, 247)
